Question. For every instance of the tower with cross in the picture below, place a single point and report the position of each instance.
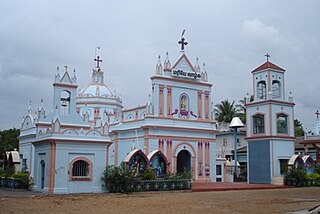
(270, 125)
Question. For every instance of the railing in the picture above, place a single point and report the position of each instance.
(13, 183)
(162, 185)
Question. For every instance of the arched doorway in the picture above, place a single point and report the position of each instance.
(158, 163)
(42, 173)
(137, 161)
(183, 162)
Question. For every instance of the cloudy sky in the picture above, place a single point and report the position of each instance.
(231, 37)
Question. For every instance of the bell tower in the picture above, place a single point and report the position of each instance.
(65, 90)
(270, 125)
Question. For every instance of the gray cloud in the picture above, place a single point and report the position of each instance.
(231, 37)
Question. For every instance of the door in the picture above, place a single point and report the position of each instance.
(184, 162)
(42, 173)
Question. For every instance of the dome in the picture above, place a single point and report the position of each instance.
(96, 90)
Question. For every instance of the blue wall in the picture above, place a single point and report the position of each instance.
(259, 162)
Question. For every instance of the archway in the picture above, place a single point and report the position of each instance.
(184, 162)
(42, 173)
(158, 163)
(137, 161)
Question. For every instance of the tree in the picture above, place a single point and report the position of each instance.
(8, 140)
(298, 128)
(225, 111)
(242, 109)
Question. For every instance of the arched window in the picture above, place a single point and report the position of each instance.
(184, 102)
(276, 89)
(282, 124)
(65, 102)
(258, 124)
(262, 90)
(81, 170)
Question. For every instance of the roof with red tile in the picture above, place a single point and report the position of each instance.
(267, 65)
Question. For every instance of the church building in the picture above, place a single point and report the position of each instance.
(67, 149)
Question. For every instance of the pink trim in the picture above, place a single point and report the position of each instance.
(134, 108)
(186, 58)
(184, 120)
(270, 101)
(199, 104)
(200, 162)
(30, 167)
(64, 85)
(169, 156)
(146, 141)
(52, 167)
(89, 178)
(270, 120)
(161, 100)
(116, 148)
(264, 121)
(207, 160)
(181, 80)
(206, 105)
(268, 137)
(169, 100)
(288, 124)
(193, 155)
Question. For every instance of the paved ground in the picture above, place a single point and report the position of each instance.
(241, 201)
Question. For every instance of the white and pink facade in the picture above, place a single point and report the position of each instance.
(67, 150)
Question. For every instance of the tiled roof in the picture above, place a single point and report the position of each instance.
(267, 65)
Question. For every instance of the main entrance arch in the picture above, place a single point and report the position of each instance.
(183, 162)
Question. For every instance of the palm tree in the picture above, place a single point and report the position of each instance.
(225, 111)
(242, 109)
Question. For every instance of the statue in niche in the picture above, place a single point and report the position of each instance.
(183, 104)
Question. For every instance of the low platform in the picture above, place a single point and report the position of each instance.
(225, 186)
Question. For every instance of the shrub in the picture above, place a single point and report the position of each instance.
(295, 177)
(118, 179)
(23, 179)
(148, 174)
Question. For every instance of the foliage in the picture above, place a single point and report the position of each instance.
(23, 177)
(298, 128)
(7, 172)
(179, 176)
(242, 109)
(8, 140)
(312, 176)
(148, 174)
(118, 179)
(225, 111)
(295, 177)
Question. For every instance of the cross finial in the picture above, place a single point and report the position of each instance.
(317, 113)
(267, 55)
(182, 41)
(98, 60)
(65, 67)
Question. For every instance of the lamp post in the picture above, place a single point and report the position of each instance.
(235, 124)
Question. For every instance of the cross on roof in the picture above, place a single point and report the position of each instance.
(317, 113)
(98, 60)
(182, 43)
(66, 67)
(267, 55)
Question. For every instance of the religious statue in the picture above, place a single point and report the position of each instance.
(183, 104)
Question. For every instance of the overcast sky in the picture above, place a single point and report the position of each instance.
(231, 37)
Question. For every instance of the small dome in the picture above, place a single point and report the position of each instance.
(96, 90)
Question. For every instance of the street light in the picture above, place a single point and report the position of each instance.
(235, 124)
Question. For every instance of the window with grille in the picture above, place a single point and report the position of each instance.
(282, 124)
(80, 169)
(258, 124)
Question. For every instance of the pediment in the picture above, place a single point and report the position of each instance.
(66, 78)
(183, 64)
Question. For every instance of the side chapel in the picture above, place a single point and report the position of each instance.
(67, 149)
